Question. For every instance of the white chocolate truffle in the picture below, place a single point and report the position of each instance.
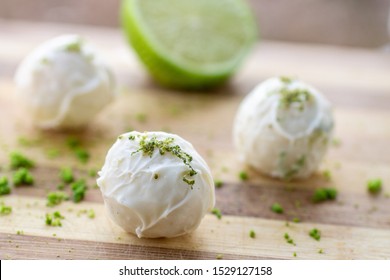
(282, 128)
(155, 184)
(63, 83)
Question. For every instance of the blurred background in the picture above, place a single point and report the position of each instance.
(360, 23)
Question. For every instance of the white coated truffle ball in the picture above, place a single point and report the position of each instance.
(63, 83)
(155, 184)
(282, 128)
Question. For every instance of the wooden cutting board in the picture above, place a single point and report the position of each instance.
(355, 226)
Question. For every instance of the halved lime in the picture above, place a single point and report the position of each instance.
(190, 44)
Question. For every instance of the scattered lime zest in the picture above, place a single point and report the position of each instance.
(19, 160)
(54, 219)
(4, 186)
(26, 142)
(148, 146)
(295, 254)
(277, 208)
(219, 256)
(82, 155)
(22, 176)
(74, 46)
(295, 168)
(5, 209)
(296, 220)
(55, 198)
(323, 194)
(79, 189)
(315, 234)
(19, 232)
(374, 186)
(288, 239)
(252, 234)
(285, 79)
(217, 213)
(294, 96)
(92, 172)
(91, 214)
(66, 175)
(243, 175)
(155, 176)
(218, 184)
(320, 251)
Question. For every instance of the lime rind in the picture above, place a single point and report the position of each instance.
(169, 69)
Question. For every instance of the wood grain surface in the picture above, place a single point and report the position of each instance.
(354, 226)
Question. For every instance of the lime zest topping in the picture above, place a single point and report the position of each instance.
(217, 213)
(294, 96)
(252, 234)
(277, 208)
(288, 239)
(315, 234)
(285, 79)
(74, 46)
(55, 198)
(23, 177)
(374, 186)
(66, 175)
(148, 145)
(19, 160)
(79, 189)
(4, 186)
(4, 209)
(54, 219)
(323, 194)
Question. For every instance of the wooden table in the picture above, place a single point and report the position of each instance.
(355, 226)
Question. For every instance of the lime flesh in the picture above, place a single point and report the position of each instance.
(190, 44)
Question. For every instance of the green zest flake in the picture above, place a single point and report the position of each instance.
(18, 160)
(92, 172)
(323, 194)
(19, 232)
(374, 186)
(23, 141)
(243, 176)
(252, 233)
(91, 214)
(74, 46)
(148, 146)
(285, 79)
(54, 219)
(315, 233)
(320, 251)
(295, 96)
(218, 183)
(4, 209)
(296, 220)
(82, 155)
(55, 198)
(22, 176)
(217, 213)
(78, 190)
(288, 239)
(66, 175)
(155, 176)
(277, 208)
(219, 257)
(297, 166)
(4, 186)
(72, 142)
(295, 254)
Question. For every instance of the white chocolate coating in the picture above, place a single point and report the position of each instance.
(63, 83)
(283, 140)
(150, 207)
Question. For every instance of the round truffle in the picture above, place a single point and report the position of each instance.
(282, 128)
(155, 184)
(63, 83)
